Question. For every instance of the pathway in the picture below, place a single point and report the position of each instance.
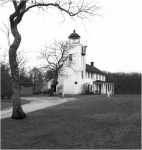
(36, 103)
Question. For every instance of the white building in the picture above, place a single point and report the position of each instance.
(82, 76)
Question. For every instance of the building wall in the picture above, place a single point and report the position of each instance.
(73, 84)
(26, 89)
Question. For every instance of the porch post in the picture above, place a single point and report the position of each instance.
(113, 88)
(109, 87)
(103, 88)
(95, 87)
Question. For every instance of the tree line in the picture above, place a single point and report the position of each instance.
(125, 83)
(35, 75)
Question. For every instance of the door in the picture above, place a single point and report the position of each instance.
(100, 88)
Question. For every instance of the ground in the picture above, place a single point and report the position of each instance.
(6, 103)
(91, 122)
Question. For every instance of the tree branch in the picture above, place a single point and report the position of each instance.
(15, 4)
(39, 5)
(71, 8)
(18, 14)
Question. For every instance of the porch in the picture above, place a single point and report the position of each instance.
(103, 87)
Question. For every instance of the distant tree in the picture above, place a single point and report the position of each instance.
(23, 74)
(79, 9)
(36, 75)
(6, 85)
(125, 83)
(57, 60)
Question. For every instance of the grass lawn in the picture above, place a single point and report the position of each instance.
(91, 122)
(6, 103)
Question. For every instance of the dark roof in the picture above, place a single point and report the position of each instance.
(74, 35)
(93, 69)
(99, 81)
(26, 81)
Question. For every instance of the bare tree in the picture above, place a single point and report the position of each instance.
(6, 31)
(36, 75)
(57, 59)
(21, 54)
(3, 58)
(79, 9)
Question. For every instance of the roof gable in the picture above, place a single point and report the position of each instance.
(93, 69)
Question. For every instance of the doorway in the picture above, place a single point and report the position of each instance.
(100, 88)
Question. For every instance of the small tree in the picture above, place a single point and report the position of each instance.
(79, 9)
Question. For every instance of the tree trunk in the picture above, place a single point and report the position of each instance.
(55, 82)
(17, 108)
(51, 90)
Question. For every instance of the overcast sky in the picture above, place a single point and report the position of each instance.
(114, 40)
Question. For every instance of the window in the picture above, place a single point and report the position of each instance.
(103, 78)
(70, 57)
(84, 50)
(91, 75)
(100, 77)
(96, 76)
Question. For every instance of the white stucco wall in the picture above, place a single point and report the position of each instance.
(75, 74)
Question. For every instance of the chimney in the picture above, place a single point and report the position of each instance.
(92, 63)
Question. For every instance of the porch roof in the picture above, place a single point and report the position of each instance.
(99, 81)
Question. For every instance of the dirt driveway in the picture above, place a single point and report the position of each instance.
(36, 103)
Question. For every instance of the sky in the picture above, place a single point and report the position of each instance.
(114, 39)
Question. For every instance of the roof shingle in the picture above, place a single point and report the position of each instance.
(93, 69)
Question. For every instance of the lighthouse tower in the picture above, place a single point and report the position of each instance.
(76, 76)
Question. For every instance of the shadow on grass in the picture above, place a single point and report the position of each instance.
(91, 122)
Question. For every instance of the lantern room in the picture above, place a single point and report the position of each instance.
(74, 38)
